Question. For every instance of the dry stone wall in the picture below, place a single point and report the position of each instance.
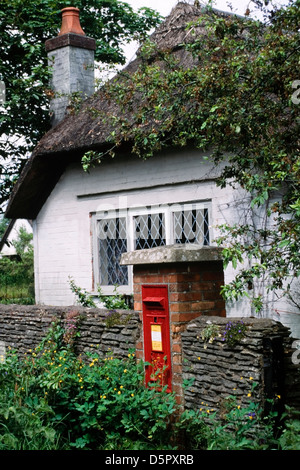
(212, 369)
(23, 327)
(264, 356)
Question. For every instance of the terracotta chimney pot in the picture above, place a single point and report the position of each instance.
(70, 21)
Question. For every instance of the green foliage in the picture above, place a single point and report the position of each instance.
(83, 297)
(241, 428)
(234, 332)
(24, 28)
(3, 225)
(111, 302)
(239, 424)
(115, 317)
(52, 399)
(290, 437)
(17, 274)
(209, 333)
(24, 420)
(115, 301)
(88, 402)
(237, 107)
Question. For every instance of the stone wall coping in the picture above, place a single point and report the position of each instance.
(185, 253)
(254, 322)
(41, 310)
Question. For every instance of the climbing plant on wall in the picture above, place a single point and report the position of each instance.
(232, 92)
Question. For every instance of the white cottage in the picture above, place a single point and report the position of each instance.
(83, 222)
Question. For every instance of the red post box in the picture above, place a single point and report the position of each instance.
(157, 335)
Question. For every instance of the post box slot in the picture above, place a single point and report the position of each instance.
(154, 301)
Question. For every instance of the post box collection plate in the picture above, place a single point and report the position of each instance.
(156, 327)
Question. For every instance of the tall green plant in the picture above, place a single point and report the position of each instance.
(51, 400)
(17, 274)
(90, 402)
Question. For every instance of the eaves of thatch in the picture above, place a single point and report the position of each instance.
(80, 132)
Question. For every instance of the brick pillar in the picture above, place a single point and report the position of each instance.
(194, 276)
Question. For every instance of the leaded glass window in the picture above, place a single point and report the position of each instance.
(112, 235)
(191, 226)
(138, 229)
(149, 231)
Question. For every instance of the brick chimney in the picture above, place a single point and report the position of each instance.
(71, 56)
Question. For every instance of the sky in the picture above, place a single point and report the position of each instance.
(164, 7)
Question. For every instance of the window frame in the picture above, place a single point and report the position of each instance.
(129, 213)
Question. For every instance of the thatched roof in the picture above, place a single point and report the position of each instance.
(79, 132)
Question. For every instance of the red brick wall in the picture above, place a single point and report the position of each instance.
(193, 290)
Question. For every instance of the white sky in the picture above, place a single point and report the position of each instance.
(164, 7)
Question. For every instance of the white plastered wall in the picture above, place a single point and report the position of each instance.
(62, 230)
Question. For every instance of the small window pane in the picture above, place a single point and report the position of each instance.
(112, 243)
(191, 226)
(149, 231)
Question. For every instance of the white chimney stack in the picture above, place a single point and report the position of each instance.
(71, 56)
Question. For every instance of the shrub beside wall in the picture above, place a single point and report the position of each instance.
(211, 368)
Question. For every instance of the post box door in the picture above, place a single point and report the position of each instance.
(157, 335)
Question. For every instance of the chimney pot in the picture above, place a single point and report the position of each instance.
(70, 21)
